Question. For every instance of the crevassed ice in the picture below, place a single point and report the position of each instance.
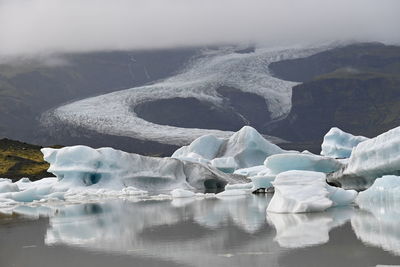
(247, 72)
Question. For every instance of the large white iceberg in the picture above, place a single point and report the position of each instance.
(246, 148)
(82, 165)
(339, 144)
(369, 160)
(83, 172)
(306, 191)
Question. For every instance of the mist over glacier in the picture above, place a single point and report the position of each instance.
(47, 26)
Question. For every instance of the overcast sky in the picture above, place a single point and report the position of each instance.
(42, 26)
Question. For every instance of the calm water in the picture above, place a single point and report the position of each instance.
(190, 232)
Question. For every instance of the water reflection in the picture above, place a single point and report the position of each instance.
(307, 229)
(219, 232)
(379, 225)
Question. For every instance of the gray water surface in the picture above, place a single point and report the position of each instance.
(235, 231)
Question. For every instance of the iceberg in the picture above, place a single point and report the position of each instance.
(306, 191)
(369, 160)
(110, 168)
(385, 192)
(262, 176)
(84, 174)
(246, 148)
(339, 144)
(301, 161)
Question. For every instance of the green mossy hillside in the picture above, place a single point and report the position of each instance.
(18, 159)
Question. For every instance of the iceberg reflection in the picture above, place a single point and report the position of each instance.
(307, 229)
(378, 227)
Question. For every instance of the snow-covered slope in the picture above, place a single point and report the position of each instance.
(113, 113)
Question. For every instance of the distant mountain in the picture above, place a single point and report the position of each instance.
(356, 88)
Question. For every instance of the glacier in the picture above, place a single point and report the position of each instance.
(339, 144)
(199, 79)
(306, 191)
(369, 160)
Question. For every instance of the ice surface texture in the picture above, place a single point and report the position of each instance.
(306, 191)
(108, 167)
(369, 160)
(339, 144)
(246, 148)
(200, 79)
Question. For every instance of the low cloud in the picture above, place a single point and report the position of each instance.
(29, 27)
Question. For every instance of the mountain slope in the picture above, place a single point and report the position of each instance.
(29, 87)
(362, 96)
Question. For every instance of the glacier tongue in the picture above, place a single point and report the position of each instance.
(339, 144)
(200, 79)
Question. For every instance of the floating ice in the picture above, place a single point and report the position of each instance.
(369, 160)
(84, 173)
(262, 182)
(246, 148)
(301, 161)
(306, 191)
(339, 144)
(110, 168)
(239, 186)
(385, 192)
(181, 193)
(6, 185)
(252, 171)
(233, 193)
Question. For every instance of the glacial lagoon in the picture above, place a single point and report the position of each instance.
(228, 231)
